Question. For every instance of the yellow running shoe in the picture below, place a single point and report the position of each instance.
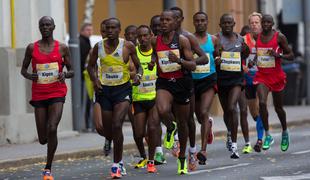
(182, 167)
(247, 149)
(169, 137)
(141, 164)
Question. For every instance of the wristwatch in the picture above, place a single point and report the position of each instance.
(281, 55)
(181, 60)
(139, 76)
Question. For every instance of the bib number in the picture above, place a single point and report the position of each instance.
(231, 61)
(47, 73)
(164, 63)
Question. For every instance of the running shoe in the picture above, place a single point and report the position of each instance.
(107, 147)
(285, 142)
(151, 167)
(258, 145)
(234, 153)
(247, 149)
(123, 169)
(175, 148)
(116, 172)
(47, 175)
(228, 142)
(160, 158)
(169, 137)
(182, 167)
(141, 164)
(268, 142)
(202, 157)
(211, 134)
(192, 161)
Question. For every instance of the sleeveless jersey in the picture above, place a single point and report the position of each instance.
(114, 71)
(48, 67)
(230, 71)
(252, 71)
(265, 62)
(165, 68)
(205, 70)
(146, 90)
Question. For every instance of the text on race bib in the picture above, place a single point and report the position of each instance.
(203, 68)
(264, 59)
(111, 75)
(231, 61)
(47, 73)
(164, 63)
(147, 84)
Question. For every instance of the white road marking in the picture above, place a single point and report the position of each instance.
(301, 152)
(219, 168)
(298, 177)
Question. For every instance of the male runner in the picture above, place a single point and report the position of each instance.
(47, 57)
(250, 89)
(155, 25)
(114, 90)
(201, 59)
(271, 47)
(230, 76)
(144, 98)
(173, 87)
(205, 81)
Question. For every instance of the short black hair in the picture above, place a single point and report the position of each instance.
(267, 16)
(201, 12)
(49, 17)
(245, 29)
(128, 27)
(145, 26)
(177, 9)
(171, 11)
(103, 22)
(116, 19)
(226, 15)
(152, 19)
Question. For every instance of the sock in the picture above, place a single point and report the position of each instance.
(259, 128)
(267, 133)
(228, 133)
(285, 132)
(248, 143)
(192, 150)
(115, 164)
(176, 137)
(159, 149)
(234, 145)
(121, 162)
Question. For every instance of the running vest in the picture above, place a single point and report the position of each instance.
(231, 66)
(165, 68)
(205, 70)
(267, 63)
(146, 90)
(114, 71)
(48, 67)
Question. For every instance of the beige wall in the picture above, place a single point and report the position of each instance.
(139, 12)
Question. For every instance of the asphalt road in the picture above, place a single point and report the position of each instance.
(268, 165)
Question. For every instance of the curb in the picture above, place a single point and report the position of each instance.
(98, 151)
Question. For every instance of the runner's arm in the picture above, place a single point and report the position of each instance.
(202, 58)
(26, 63)
(287, 51)
(67, 61)
(216, 53)
(92, 67)
(189, 62)
(136, 62)
(154, 56)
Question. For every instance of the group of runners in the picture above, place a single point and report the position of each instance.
(164, 74)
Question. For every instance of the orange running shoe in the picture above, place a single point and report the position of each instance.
(151, 167)
(47, 175)
(116, 173)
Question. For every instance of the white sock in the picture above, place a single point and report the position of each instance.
(121, 162)
(234, 145)
(248, 143)
(176, 137)
(159, 149)
(115, 164)
(192, 149)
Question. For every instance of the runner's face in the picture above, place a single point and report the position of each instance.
(131, 35)
(167, 22)
(46, 27)
(227, 24)
(179, 18)
(155, 26)
(200, 23)
(267, 23)
(112, 29)
(255, 24)
(144, 37)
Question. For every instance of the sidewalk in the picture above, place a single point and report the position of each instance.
(83, 144)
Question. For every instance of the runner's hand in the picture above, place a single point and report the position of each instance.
(62, 77)
(136, 80)
(34, 77)
(173, 57)
(97, 85)
(273, 53)
(218, 60)
(150, 65)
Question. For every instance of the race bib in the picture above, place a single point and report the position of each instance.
(112, 75)
(47, 73)
(147, 84)
(204, 68)
(164, 63)
(231, 61)
(264, 59)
